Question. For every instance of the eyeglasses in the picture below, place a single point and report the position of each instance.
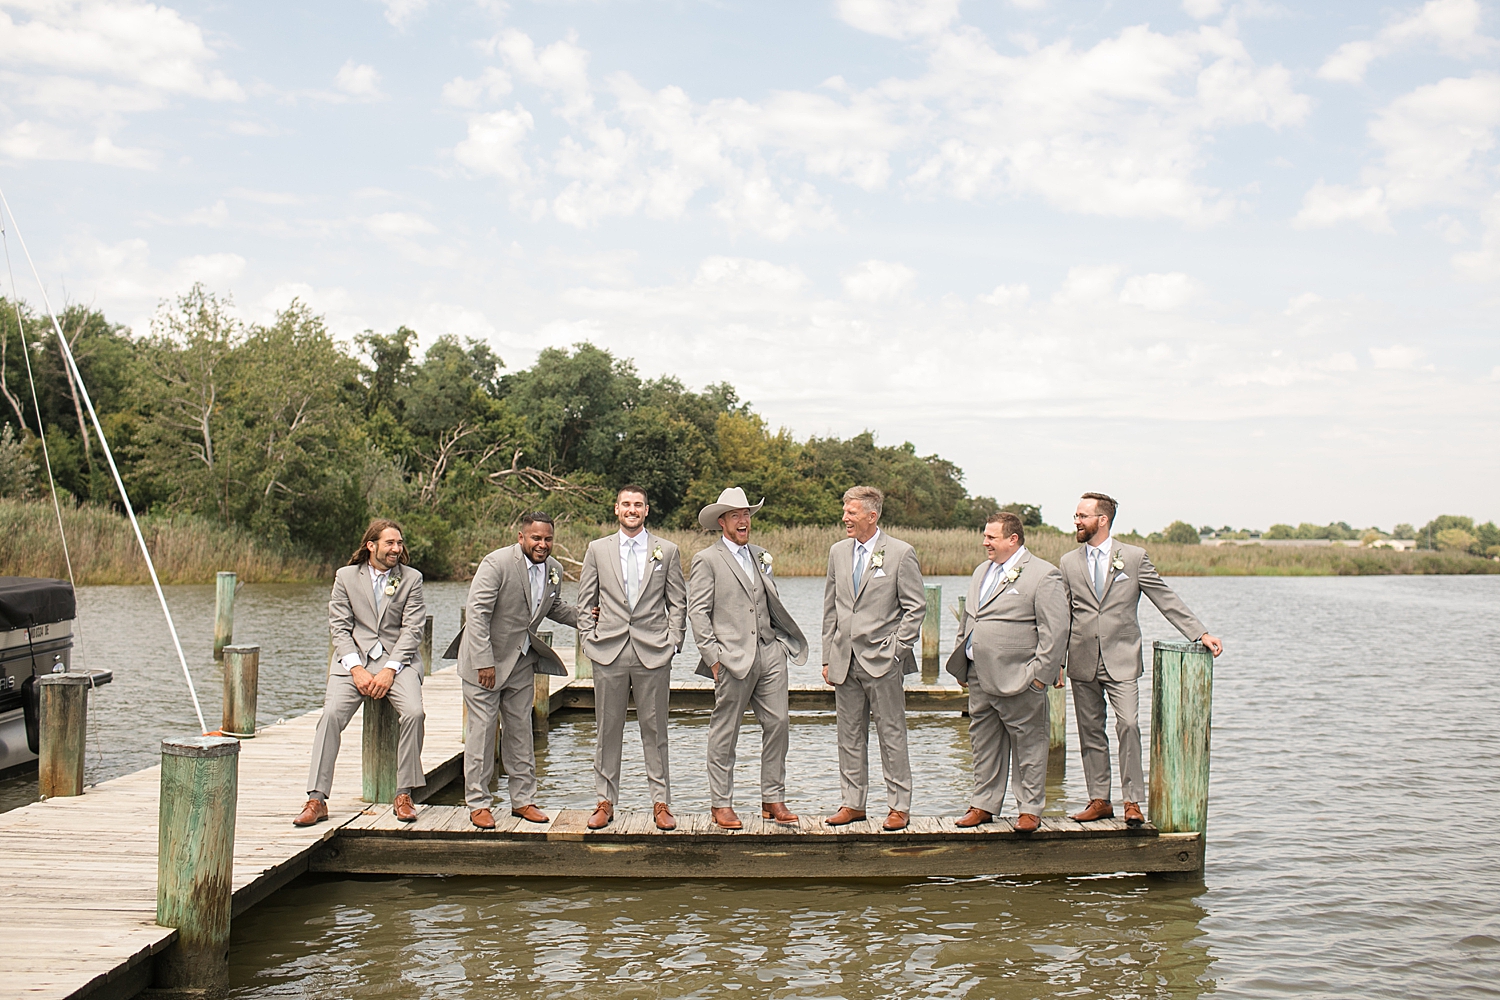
(1086, 517)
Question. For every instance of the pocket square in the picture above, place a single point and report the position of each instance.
(1013, 590)
(657, 569)
(880, 572)
(1120, 576)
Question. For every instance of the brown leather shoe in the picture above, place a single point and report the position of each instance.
(404, 809)
(316, 811)
(602, 815)
(777, 811)
(897, 820)
(1028, 823)
(1133, 815)
(725, 819)
(974, 817)
(530, 813)
(1096, 809)
(482, 818)
(845, 816)
(664, 818)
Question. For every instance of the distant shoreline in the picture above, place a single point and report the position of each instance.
(193, 550)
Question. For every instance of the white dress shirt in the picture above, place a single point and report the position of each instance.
(638, 542)
(864, 550)
(1096, 553)
(992, 580)
(741, 560)
(378, 581)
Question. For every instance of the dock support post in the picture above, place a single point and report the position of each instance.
(378, 742)
(1182, 681)
(931, 631)
(583, 667)
(426, 648)
(241, 690)
(1057, 733)
(541, 702)
(195, 859)
(224, 586)
(64, 721)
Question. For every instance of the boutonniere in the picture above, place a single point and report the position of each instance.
(554, 577)
(1012, 575)
(656, 554)
(877, 560)
(765, 561)
(391, 583)
(1119, 561)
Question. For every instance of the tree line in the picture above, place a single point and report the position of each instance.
(282, 429)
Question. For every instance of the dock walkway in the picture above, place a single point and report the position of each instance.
(78, 912)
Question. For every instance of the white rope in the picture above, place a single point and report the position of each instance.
(83, 391)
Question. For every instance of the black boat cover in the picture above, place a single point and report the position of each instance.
(27, 601)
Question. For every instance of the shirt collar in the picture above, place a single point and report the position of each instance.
(871, 544)
(624, 539)
(1102, 548)
(1014, 557)
(734, 547)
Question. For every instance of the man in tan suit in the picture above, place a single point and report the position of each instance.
(1010, 647)
(499, 654)
(375, 619)
(634, 580)
(1105, 579)
(744, 635)
(873, 605)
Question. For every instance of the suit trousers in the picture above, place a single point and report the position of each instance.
(509, 706)
(764, 691)
(341, 700)
(613, 685)
(856, 700)
(1002, 727)
(1093, 741)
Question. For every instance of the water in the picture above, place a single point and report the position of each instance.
(1351, 848)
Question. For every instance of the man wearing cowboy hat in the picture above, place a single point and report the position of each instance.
(744, 635)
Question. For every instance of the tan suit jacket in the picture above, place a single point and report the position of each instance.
(882, 623)
(1020, 633)
(657, 625)
(1108, 631)
(500, 618)
(723, 610)
(354, 624)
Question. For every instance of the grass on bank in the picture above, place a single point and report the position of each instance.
(192, 550)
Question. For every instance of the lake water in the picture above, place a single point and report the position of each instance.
(1351, 849)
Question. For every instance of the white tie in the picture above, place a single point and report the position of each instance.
(632, 576)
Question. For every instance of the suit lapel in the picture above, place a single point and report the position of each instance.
(1083, 573)
(367, 591)
(864, 578)
(619, 574)
(734, 566)
(1109, 570)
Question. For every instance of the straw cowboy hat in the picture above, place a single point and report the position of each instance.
(731, 499)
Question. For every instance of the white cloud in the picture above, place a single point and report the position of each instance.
(1396, 356)
(399, 13)
(492, 84)
(399, 224)
(1483, 264)
(1332, 204)
(1159, 292)
(215, 270)
(755, 274)
(358, 80)
(1087, 284)
(28, 140)
(879, 281)
(493, 144)
(1202, 9)
(1452, 24)
(898, 18)
(1007, 296)
(1433, 139)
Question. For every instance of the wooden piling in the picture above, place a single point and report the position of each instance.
(541, 702)
(583, 667)
(426, 648)
(224, 586)
(195, 859)
(241, 690)
(931, 631)
(63, 723)
(1057, 719)
(1181, 732)
(382, 728)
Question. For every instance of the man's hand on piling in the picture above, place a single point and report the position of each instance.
(362, 680)
(1212, 642)
(380, 684)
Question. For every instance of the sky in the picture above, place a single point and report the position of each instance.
(1230, 262)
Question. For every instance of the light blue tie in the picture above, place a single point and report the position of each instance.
(859, 564)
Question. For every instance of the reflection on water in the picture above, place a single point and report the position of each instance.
(1352, 850)
(980, 938)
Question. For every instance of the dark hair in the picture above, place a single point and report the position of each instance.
(1107, 505)
(632, 488)
(1009, 523)
(536, 517)
(372, 534)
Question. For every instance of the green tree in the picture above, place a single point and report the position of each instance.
(1454, 540)
(574, 406)
(1181, 533)
(1279, 531)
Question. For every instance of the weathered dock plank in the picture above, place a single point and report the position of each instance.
(698, 696)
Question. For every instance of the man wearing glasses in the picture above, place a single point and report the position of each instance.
(1105, 579)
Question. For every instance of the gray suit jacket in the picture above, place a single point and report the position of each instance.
(880, 625)
(722, 610)
(656, 627)
(500, 617)
(354, 624)
(1020, 633)
(1108, 631)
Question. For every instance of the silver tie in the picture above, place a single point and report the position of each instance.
(632, 578)
(859, 564)
(1099, 573)
(745, 561)
(992, 579)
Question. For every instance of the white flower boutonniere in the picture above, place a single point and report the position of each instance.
(765, 561)
(656, 554)
(877, 560)
(554, 576)
(1011, 575)
(1119, 561)
(391, 583)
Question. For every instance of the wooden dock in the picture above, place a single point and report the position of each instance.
(698, 696)
(77, 914)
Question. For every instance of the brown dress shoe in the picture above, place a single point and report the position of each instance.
(530, 813)
(974, 817)
(777, 811)
(482, 818)
(316, 811)
(1133, 815)
(897, 820)
(664, 818)
(725, 819)
(1096, 809)
(845, 816)
(405, 811)
(602, 815)
(1028, 823)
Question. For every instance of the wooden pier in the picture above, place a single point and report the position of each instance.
(78, 912)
